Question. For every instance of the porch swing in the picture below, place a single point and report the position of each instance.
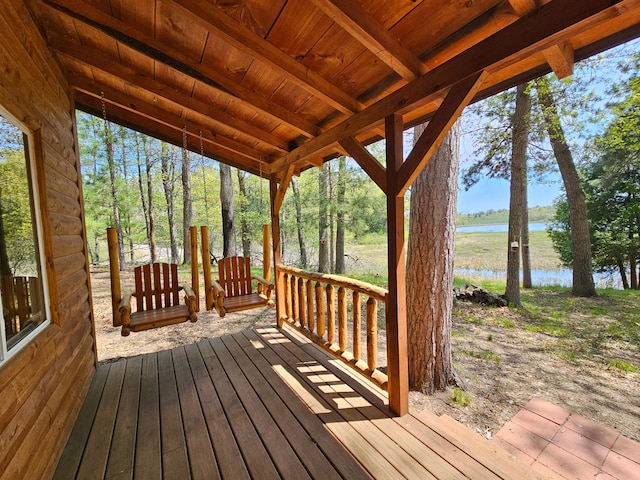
(156, 290)
(233, 291)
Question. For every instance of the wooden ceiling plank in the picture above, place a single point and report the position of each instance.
(523, 7)
(373, 35)
(368, 162)
(523, 38)
(249, 42)
(560, 58)
(172, 95)
(150, 47)
(123, 101)
(456, 100)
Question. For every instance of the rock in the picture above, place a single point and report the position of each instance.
(475, 294)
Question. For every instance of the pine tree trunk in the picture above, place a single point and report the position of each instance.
(583, 285)
(143, 197)
(229, 248)
(517, 198)
(152, 223)
(244, 214)
(299, 224)
(623, 274)
(526, 252)
(432, 227)
(323, 220)
(187, 206)
(342, 188)
(168, 182)
(114, 194)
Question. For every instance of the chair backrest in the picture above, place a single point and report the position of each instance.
(20, 299)
(235, 275)
(156, 286)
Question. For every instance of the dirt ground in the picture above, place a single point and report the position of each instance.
(503, 367)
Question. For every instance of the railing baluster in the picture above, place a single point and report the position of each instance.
(342, 319)
(357, 325)
(372, 333)
(287, 296)
(302, 303)
(310, 317)
(320, 310)
(331, 314)
(294, 301)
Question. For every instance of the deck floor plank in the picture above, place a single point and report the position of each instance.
(175, 461)
(94, 460)
(123, 445)
(262, 404)
(148, 464)
(253, 451)
(226, 449)
(277, 444)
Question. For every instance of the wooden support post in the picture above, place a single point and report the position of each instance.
(114, 273)
(266, 253)
(275, 235)
(206, 267)
(195, 278)
(398, 370)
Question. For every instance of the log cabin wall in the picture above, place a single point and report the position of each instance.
(43, 385)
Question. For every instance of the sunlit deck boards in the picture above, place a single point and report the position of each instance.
(258, 404)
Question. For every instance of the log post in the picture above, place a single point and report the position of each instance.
(331, 314)
(195, 280)
(342, 319)
(320, 310)
(397, 354)
(287, 296)
(206, 267)
(275, 235)
(114, 274)
(372, 333)
(357, 325)
(266, 254)
(294, 300)
(302, 303)
(310, 317)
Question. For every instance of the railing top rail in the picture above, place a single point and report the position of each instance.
(373, 291)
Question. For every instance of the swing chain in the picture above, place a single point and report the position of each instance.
(107, 130)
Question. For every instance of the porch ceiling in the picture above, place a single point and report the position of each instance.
(274, 83)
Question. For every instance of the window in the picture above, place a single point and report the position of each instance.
(21, 280)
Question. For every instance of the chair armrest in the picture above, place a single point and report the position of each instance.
(125, 311)
(191, 301)
(264, 287)
(218, 298)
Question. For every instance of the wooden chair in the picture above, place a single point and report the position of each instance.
(233, 291)
(157, 293)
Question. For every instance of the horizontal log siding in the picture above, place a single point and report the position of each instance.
(43, 386)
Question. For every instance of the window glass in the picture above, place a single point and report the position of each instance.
(21, 284)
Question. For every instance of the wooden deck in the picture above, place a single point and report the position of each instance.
(263, 404)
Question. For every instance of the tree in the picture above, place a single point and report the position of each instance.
(340, 220)
(229, 248)
(518, 193)
(114, 193)
(583, 285)
(323, 218)
(168, 165)
(299, 223)
(187, 204)
(432, 228)
(245, 231)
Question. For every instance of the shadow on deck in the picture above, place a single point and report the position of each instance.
(264, 403)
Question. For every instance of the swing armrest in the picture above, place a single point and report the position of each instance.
(264, 287)
(191, 301)
(125, 311)
(218, 298)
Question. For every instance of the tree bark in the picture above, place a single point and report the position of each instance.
(168, 183)
(623, 274)
(114, 194)
(244, 212)
(323, 222)
(153, 249)
(143, 196)
(517, 198)
(432, 226)
(340, 227)
(583, 285)
(298, 205)
(229, 248)
(187, 205)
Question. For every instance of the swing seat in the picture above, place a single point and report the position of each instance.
(233, 292)
(157, 295)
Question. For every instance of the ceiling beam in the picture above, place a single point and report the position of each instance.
(456, 100)
(245, 40)
(368, 162)
(560, 58)
(171, 134)
(157, 89)
(160, 52)
(523, 7)
(373, 35)
(546, 26)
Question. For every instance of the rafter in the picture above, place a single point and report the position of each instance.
(546, 27)
(245, 40)
(560, 58)
(523, 7)
(160, 90)
(356, 21)
(368, 162)
(147, 45)
(458, 97)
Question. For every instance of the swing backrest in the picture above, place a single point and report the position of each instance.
(235, 276)
(156, 286)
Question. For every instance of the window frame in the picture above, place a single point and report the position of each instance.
(30, 148)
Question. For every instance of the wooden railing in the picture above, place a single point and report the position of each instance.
(311, 306)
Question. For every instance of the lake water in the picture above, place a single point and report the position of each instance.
(503, 227)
